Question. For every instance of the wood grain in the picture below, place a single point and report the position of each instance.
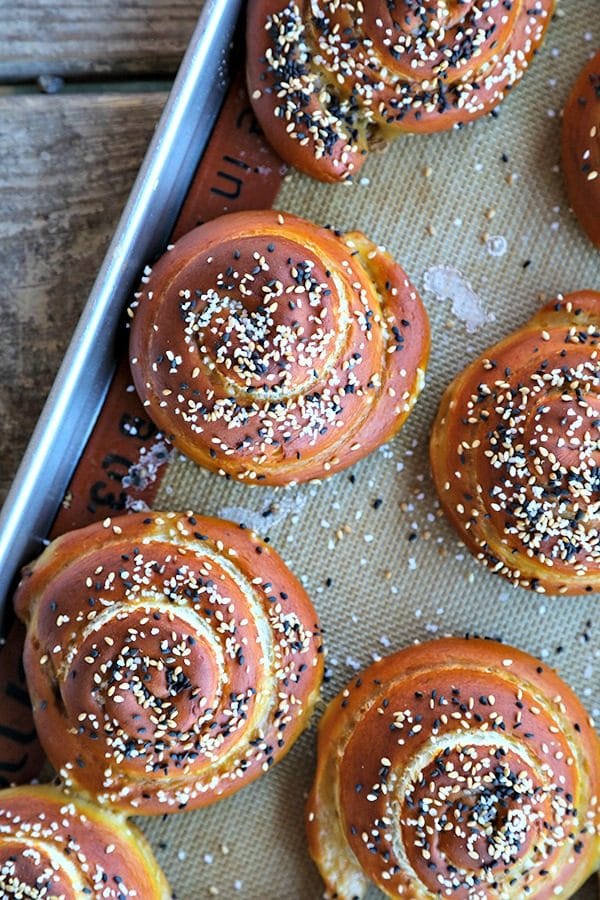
(67, 165)
(99, 38)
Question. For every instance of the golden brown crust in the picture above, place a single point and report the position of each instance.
(514, 451)
(171, 659)
(53, 845)
(581, 148)
(274, 351)
(328, 81)
(458, 766)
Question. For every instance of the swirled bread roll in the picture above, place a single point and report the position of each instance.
(460, 768)
(65, 848)
(331, 80)
(274, 351)
(171, 659)
(581, 148)
(515, 451)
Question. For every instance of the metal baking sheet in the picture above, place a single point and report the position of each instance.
(482, 216)
(147, 220)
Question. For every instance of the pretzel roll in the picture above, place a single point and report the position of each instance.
(330, 80)
(274, 351)
(515, 451)
(581, 148)
(53, 846)
(458, 768)
(171, 659)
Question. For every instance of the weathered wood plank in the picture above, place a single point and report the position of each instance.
(103, 37)
(66, 167)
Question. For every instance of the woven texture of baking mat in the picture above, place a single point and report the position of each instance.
(380, 562)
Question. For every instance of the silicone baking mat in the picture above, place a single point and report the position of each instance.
(479, 220)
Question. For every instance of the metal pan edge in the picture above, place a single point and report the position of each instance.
(84, 377)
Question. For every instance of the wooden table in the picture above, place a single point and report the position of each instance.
(67, 162)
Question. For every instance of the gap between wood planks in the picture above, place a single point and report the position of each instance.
(117, 85)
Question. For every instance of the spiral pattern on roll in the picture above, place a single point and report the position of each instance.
(515, 451)
(329, 80)
(275, 351)
(53, 846)
(458, 768)
(581, 148)
(171, 659)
